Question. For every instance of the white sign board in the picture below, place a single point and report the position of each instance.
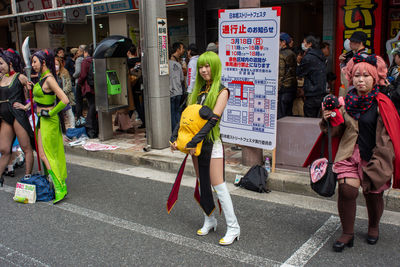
(162, 45)
(249, 52)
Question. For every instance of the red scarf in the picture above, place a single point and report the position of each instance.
(391, 120)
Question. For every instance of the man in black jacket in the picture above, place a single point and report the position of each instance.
(312, 67)
(287, 77)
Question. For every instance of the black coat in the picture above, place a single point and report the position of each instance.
(312, 67)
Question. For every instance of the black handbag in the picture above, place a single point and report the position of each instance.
(322, 178)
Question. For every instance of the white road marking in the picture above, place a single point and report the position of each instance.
(191, 243)
(16, 258)
(314, 244)
(287, 199)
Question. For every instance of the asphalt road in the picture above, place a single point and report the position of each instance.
(114, 218)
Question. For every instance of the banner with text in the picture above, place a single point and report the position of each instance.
(249, 52)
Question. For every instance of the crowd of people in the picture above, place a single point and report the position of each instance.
(367, 155)
(304, 79)
(59, 85)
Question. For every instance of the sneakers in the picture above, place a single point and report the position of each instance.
(9, 173)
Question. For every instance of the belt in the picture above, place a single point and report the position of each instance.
(4, 101)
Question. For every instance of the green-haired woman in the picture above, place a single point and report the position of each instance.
(209, 165)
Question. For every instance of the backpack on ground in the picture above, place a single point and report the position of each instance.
(44, 191)
(255, 179)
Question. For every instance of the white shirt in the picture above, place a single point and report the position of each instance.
(191, 73)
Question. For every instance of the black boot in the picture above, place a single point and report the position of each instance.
(347, 213)
(375, 206)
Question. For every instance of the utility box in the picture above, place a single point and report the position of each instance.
(110, 80)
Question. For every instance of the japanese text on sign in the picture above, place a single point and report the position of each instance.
(249, 52)
(162, 46)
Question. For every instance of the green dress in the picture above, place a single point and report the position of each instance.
(50, 129)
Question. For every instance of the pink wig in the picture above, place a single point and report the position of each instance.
(378, 72)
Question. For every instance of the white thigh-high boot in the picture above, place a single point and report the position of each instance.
(233, 228)
(210, 222)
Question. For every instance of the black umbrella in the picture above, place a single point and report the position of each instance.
(113, 46)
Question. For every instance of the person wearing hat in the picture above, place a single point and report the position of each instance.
(287, 82)
(355, 44)
(212, 47)
(358, 41)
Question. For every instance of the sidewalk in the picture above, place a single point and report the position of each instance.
(130, 151)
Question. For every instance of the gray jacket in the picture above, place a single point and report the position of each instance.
(175, 78)
(78, 63)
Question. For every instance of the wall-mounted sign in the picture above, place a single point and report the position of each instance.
(162, 45)
(361, 15)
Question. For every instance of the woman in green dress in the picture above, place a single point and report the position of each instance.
(49, 136)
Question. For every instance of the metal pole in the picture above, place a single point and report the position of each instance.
(251, 155)
(93, 24)
(156, 86)
(19, 34)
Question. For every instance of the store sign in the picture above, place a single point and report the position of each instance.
(162, 45)
(110, 7)
(32, 5)
(76, 15)
(31, 18)
(167, 3)
(358, 15)
(249, 52)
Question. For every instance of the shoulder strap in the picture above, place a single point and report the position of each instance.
(41, 82)
(329, 143)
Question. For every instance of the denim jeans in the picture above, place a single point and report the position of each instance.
(312, 106)
(285, 103)
(175, 110)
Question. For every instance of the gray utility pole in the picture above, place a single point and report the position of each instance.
(251, 155)
(154, 52)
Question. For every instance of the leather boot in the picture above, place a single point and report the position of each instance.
(233, 228)
(210, 222)
(347, 213)
(375, 206)
(60, 188)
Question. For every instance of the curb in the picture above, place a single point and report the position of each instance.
(293, 182)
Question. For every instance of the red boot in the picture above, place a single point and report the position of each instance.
(347, 213)
(375, 206)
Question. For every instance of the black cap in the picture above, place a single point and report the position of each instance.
(359, 37)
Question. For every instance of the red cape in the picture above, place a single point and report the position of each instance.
(315, 152)
(391, 120)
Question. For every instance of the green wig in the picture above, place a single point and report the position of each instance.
(213, 60)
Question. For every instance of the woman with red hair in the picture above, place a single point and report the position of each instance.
(369, 150)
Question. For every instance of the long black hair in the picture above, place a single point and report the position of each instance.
(12, 57)
(48, 57)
